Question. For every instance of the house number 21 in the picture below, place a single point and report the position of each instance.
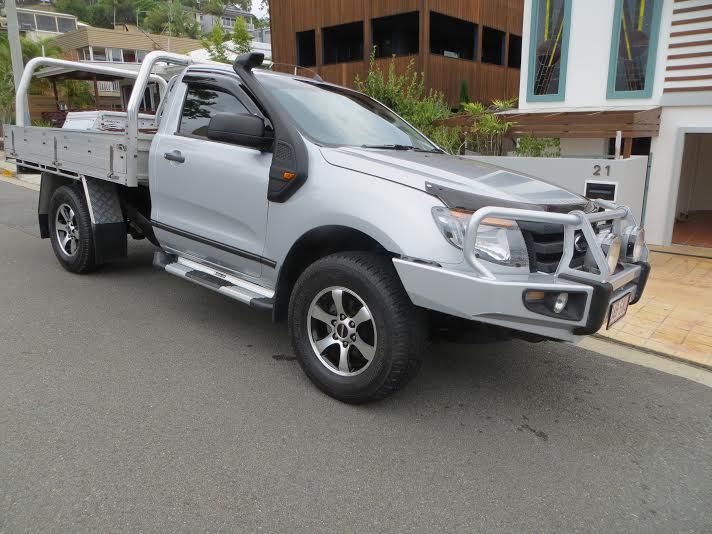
(597, 170)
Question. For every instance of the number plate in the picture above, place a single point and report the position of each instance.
(618, 310)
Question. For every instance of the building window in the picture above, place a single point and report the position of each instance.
(493, 46)
(396, 35)
(114, 54)
(343, 43)
(65, 25)
(514, 52)
(99, 53)
(140, 55)
(46, 23)
(84, 54)
(452, 37)
(306, 48)
(636, 25)
(26, 21)
(549, 48)
(129, 56)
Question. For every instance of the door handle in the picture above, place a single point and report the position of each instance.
(174, 156)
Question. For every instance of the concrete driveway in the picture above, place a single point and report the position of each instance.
(133, 401)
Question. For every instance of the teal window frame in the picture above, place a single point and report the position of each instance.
(612, 93)
(531, 70)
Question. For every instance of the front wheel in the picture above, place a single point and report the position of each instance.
(356, 334)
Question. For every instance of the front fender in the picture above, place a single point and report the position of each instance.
(397, 216)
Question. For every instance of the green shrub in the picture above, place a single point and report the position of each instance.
(464, 93)
(405, 94)
(446, 137)
(538, 147)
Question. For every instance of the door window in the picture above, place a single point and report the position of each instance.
(202, 102)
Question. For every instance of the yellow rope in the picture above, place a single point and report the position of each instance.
(641, 15)
(625, 33)
(556, 43)
(546, 20)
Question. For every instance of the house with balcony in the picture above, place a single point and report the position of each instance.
(125, 45)
(36, 24)
(614, 78)
(477, 43)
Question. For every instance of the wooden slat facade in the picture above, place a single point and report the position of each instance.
(576, 124)
(485, 82)
(689, 58)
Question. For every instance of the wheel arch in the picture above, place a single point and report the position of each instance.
(105, 210)
(313, 245)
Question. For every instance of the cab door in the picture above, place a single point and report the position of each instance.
(209, 198)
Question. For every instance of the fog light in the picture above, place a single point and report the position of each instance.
(633, 243)
(561, 301)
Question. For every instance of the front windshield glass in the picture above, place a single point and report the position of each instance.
(334, 116)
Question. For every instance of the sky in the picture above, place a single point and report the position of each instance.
(257, 10)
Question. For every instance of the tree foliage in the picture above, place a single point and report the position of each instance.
(223, 47)
(241, 37)
(171, 18)
(216, 44)
(538, 147)
(30, 49)
(405, 94)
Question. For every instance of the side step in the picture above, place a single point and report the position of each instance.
(246, 292)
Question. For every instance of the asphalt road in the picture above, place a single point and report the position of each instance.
(133, 401)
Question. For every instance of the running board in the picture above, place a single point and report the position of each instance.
(230, 286)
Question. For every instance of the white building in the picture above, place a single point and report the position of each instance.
(630, 58)
(37, 24)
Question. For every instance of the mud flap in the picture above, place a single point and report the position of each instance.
(107, 219)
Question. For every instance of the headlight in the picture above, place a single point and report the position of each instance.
(611, 246)
(633, 243)
(498, 240)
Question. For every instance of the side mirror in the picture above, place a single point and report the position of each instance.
(240, 129)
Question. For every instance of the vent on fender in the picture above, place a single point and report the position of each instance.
(283, 152)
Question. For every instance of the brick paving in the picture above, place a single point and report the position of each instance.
(674, 317)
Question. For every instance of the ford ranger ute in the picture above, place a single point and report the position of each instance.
(323, 207)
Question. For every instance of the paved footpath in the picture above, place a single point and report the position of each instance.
(131, 400)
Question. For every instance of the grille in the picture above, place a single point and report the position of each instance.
(283, 152)
(545, 245)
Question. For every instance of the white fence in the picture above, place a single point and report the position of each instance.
(624, 179)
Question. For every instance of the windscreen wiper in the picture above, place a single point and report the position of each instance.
(399, 147)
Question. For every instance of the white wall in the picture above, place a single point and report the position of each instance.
(589, 55)
(667, 151)
(584, 147)
(572, 174)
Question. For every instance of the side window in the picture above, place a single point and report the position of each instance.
(201, 103)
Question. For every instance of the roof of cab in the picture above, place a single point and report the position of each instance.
(223, 67)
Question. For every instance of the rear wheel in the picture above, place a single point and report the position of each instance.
(71, 231)
(354, 330)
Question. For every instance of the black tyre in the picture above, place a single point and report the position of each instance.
(354, 330)
(70, 230)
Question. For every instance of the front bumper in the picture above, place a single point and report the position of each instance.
(500, 299)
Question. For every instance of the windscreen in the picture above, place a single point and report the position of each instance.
(332, 115)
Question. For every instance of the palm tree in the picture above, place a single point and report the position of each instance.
(30, 49)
